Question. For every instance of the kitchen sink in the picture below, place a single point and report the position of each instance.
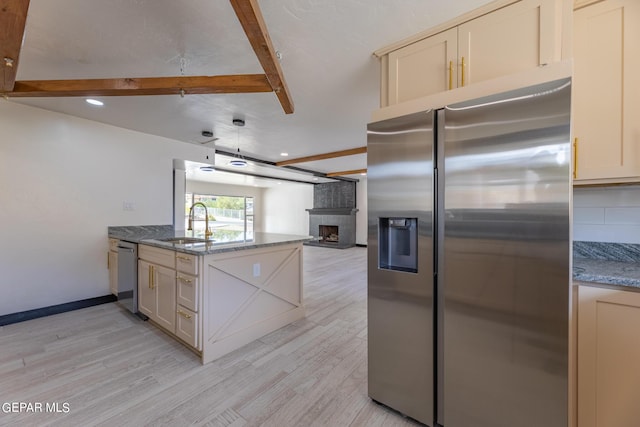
(185, 240)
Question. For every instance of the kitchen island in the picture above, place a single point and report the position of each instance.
(219, 294)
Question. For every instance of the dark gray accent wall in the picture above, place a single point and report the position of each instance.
(334, 195)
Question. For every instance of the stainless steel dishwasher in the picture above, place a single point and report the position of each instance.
(128, 275)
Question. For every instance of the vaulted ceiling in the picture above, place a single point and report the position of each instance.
(323, 51)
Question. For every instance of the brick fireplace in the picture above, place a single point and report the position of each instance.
(332, 221)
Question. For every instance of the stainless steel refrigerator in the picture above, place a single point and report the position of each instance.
(469, 260)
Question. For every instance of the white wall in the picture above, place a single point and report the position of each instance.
(233, 190)
(63, 180)
(607, 214)
(284, 208)
(361, 215)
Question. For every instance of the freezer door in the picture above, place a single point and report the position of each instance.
(400, 264)
(505, 259)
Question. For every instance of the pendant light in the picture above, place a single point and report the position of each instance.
(238, 161)
(208, 168)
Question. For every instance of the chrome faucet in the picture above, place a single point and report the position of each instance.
(207, 233)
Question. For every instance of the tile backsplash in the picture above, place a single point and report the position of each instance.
(607, 214)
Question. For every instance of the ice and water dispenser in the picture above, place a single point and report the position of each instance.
(398, 244)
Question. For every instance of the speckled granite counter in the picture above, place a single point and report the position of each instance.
(607, 263)
(221, 241)
(136, 233)
(258, 240)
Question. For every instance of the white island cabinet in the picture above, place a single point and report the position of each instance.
(247, 294)
(222, 296)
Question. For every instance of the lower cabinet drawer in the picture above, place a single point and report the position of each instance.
(158, 256)
(187, 263)
(187, 326)
(187, 291)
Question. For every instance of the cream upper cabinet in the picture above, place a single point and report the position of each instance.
(423, 68)
(606, 93)
(519, 36)
(515, 38)
(582, 3)
(608, 354)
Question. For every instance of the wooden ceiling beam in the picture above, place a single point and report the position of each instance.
(187, 85)
(13, 17)
(332, 155)
(351, 172)
(252, 22)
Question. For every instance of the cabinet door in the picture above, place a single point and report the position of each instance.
(146, 293)
(581, 3)
(164, 284)
(113, 272)
(608, 354)
(606, 89)
(422, 68)
(516, 38)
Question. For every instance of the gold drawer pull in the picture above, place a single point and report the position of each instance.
(184, 279)
(183, 314)
(184, 258)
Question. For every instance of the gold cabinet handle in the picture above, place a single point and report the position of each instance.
(184, 258)
(183, 314)
(462, 65)
(184, 279)
(152, 284)
(450, 75)
(108, 261)
(575, 158)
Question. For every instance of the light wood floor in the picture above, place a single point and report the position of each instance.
(115, 370)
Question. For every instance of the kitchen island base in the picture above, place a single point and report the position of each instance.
(215, 296)
(249, 294)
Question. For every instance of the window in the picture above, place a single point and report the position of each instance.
(230, 217)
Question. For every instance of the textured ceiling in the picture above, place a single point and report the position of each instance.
(327, 61)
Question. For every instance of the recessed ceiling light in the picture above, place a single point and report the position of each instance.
(94, 102)
(284, 154)
(207, 168)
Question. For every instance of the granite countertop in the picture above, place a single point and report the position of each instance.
(136, 233)
(221, 241)
(615, 264)
(607, 272)
(257, 240)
